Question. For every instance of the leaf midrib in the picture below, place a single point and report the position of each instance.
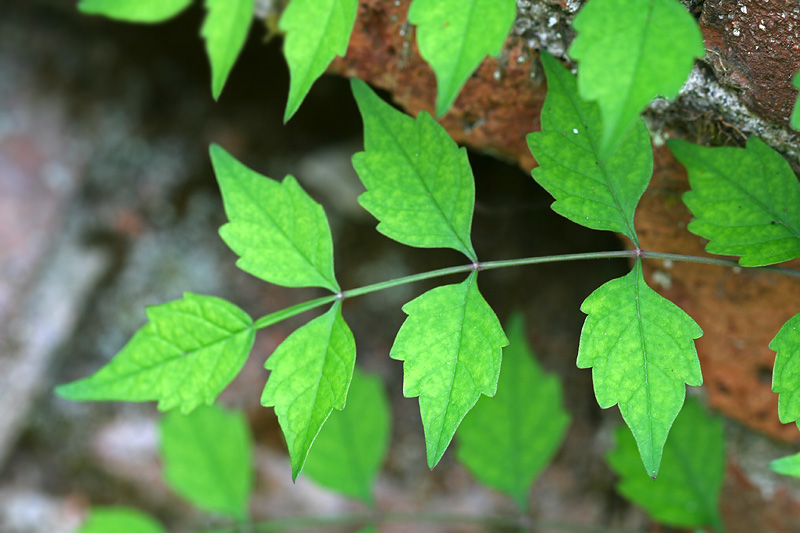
(416, 125)
(637, 269)
(601, 164)
(289, 202)
(463, 310)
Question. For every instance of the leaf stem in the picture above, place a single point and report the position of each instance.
(283, 314)
(294, 310)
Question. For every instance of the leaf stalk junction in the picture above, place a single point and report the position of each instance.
(283, 314)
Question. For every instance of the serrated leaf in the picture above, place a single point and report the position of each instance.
(454, 37)
(686, 494)
(451, 345)
(506, 441)
(279, 232)
(225, 31)
(120, 520)
(352, 445)
(316, 32)
(190, 350)
(640, 347)
(795, 119)
(788, 466)
(143, 11)
(207, 458)
(311, 372)
(597, 195)
(786, 372)
(419, 182)
(630, 52)
(746, 202)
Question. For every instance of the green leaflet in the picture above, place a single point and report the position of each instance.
(454, 36)
(786, 373)
(686, 494)
(746, 201)
(144, 11)
(419, 182)
(316, 32)
(207, 458)
(352, 445)
(598, 196)
(225, 31)
(788, 466)
(641, 351)
(506, 441)
(120, 520)
(189, 351)
(279, 232)
(630, 52)
(311, 372)
(795, 120)
(451, 345)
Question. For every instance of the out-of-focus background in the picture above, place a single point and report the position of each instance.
(108, 204)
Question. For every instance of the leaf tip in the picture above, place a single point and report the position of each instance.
(216, 90)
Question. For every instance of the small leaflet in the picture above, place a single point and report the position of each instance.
(120, 520)
(451, 345)
(419, 182)
(788, 466)
(207, 458)
(786, 372)
(311, 372)
(506, 441)
(746, 201)
(225, 31)
(142, 11)
(187, 353)
(454, 36)
(352, 445)
(795, 120)
(279, 232)
(640, 347)
(316, 32)
(686, 494)
(600, 196)
(630, 52)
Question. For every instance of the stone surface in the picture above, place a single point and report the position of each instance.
(754, 46)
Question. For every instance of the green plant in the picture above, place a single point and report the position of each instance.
(595, 159)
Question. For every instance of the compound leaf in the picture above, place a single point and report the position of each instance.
(120, 520)
(279, 232)
(419, 182)
(189, 351)
(311, 372)
(507, 440)
(686, 494)
(795, 119)
(630, 52)
(746, 201)
(316, 32)
(451, 345)
(788, 466)
(590, 193)
(786, 372)
(143, 11)
(454, 36)
(352, 445)
(641, 351)
(207, 459)
(225, 31)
